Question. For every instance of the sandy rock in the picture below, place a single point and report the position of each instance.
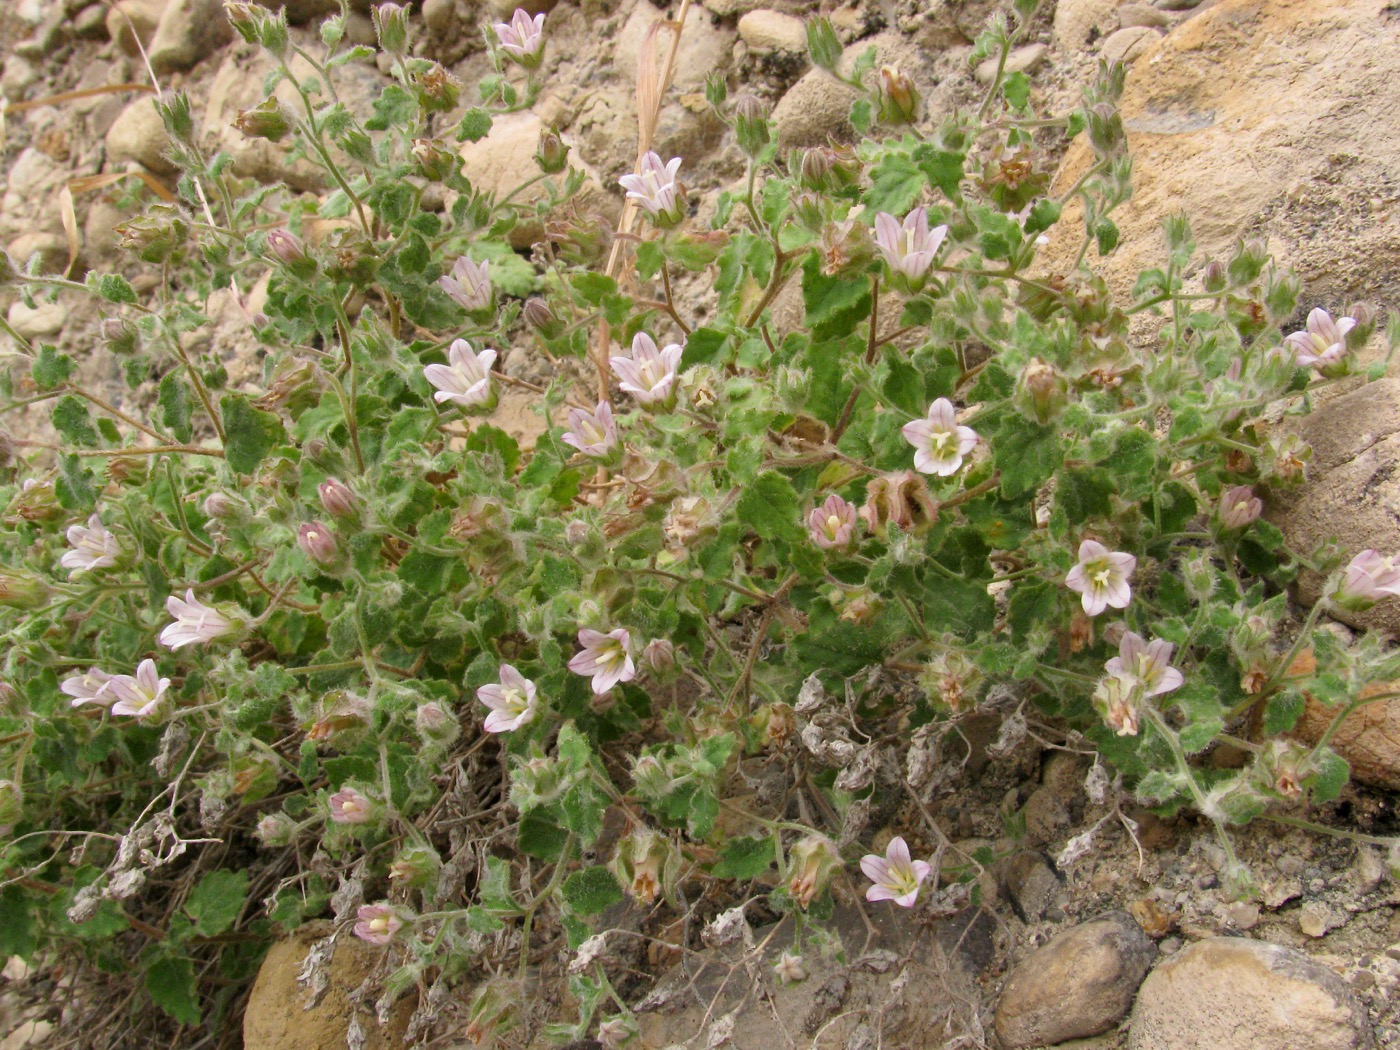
(301, 11)
(43, 320)
(818, 105)
(730, 8)
(1264, 97)
(705, 48)
(1369, 739)
(99, 240)
(1127, 45)
(505, 159)
(275, 1018)
(139, 134)
(1176, 5)
(765, 30)
(1079, 984)
(132, 20)
(51, 248)
(190, 31)
(1350, 494)
(1046, 815)
(1229, 993)
(1022, 60)
(1078, 23)
(1130, 15)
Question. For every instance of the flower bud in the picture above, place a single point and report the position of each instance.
(391, 28)
(415, 866)
(1365, 317)
(223, 506)
(811, 864)
(272, 32)
(1239, 507)
(244, 18)
(899, 99)
(1214, 277)
(807, 210)
(552, 154)
(540, 317)
(1249, 260)
(286, 246)
(337, 499)
(37, 501)
(155, 236)
(650, 777)
(120, 335)
(813, 168)
(823, 44)
(1043, 392)
(1105, 126)
(576, 533)
(438, 90)
(267, 120)
(716, 89)
(641, 863)
(751, 125)
(434, 162)
(659, 657)
(436, 724)
(276, 829)
(318, 543)
(23, 592)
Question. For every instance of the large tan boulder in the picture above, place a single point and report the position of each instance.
(1259, 115)
(278, 1016)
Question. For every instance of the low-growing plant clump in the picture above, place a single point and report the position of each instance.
(343, 647)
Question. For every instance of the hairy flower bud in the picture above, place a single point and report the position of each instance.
(540, 317)
(434, 162)
(391, 28)
(436, 724)
(276, 829)
(751, 125)
(899, 98)
(823, 44)
(267, 120)
(286, 246)
(1214, 277)
(811, 864)
(659, 657)
(337, 499)
(223, 506)
(438, 90)
(1042, 391)
(22, 591)
(552, 153)
(318, 543)
(120, 335)
(415, 866)
(155, 236)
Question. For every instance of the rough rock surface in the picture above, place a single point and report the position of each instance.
(1228, 993)
(1273, 101)
(190, 31)
(1080, 984)
(139, 134)
(276, 1020)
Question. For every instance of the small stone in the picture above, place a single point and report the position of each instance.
(1177, 5)
(1126, 45)
(1031, 885)
(91, 22)
(765, 30)
(189, 31)
(1368, 870)
(1155, 920)
(139, 134)
(1240, 916)
(1078, 23)
(50, 247)
(18, 77)
(45, 319)
(132, 20)
(1078, 985)
(1046, 816)
(440, 16)
(1230, 993)
(1130, 15)
(1022, 60)
(1315, 919)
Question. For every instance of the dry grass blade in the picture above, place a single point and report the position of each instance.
(651, 90)
(74, 96)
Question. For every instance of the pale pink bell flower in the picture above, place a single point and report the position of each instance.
(140, 694)
(1148, 662)
(93, 547)
(896, 876)
(594, 433)
(522, 38)
(606, 657)
(649, 374)
(512, 701)
(377, 923)
(1101, 577)
(832, 526)
(469, 284)
(195, 622)
(939, 442)
(908, 247)
(466, 378)
(1324, 342)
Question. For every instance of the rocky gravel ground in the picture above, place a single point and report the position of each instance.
(1068, 916)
